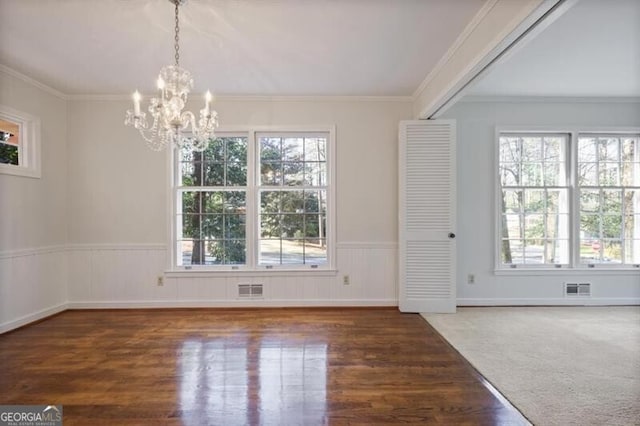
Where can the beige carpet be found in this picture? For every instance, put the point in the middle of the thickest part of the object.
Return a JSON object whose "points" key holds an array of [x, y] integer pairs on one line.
{"points": [[557, 365]]}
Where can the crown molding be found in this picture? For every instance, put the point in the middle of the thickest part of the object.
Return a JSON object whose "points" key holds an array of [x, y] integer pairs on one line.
{"points": [[551, 99], [16, 74], [256, 98]]}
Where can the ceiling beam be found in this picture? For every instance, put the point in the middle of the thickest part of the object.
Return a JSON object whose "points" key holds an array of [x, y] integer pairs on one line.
{"points": [[497, 28]]}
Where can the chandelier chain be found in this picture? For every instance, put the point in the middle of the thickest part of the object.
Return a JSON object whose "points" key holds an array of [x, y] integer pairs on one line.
{"points": [[177, 37]]}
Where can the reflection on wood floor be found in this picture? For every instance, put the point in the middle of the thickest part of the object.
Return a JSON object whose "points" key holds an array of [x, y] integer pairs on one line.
{"points": [[245, 367]]}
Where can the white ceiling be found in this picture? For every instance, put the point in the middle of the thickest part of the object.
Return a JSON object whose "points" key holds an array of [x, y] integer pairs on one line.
{"points": [[233, 47], [592, 50]]}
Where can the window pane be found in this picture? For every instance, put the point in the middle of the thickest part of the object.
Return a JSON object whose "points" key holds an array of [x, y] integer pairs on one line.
{"points": [[553, 147], [609, 174], [612, 252], [315, 149], [234, 226], [513, 226], [531, 174], [270, 226], [212, 225], [292, 252], [611, 226], [227, 252], [531, 149], [213, 174], [557, 201], [190, 226], [609, 149], [213, 202], [270, 252], [271, 173], [588, 174], [214, 151], [587, 150], [293, 150], [293, 174], [534, 201], [589, 201], [236, 150], [512, 201], [611, 201], [553, 175], [235, 202], [270, 202], [510, 174], [315, 174], [270, 149], [632, 202], [534, 226], [236, 174], [292, 201], [534, 252], [590, 227], [556, 251], [315, 251], [315, 227], [510, 150], [315, 201], [190, 173], [512, 251], [292, 226]]}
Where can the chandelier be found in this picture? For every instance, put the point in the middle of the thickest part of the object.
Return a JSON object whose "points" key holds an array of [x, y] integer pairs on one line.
{"points": [[169, 124]]}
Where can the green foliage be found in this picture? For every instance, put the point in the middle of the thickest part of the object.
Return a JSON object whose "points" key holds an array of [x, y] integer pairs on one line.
{"points": [[8, 154]]}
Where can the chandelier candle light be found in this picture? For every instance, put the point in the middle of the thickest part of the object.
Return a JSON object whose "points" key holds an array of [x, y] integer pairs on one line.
{"points": [[172, 126]]}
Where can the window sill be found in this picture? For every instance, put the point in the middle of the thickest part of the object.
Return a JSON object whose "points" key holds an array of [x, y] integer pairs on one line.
{"points": [[206, 273], [569, 271]]}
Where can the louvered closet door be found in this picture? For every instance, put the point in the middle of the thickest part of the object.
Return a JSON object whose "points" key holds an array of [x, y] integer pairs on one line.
{"points": [[427, 216]]}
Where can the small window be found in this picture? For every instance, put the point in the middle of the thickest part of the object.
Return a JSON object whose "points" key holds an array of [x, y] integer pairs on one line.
{"points": [[19, 143]]}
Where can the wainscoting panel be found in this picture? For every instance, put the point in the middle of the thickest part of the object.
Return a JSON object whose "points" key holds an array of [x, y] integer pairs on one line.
{"points": [[33, 285], [127, 276]]}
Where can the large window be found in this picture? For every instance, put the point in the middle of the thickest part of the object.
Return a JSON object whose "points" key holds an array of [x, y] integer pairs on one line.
{"points": [[255, 200], [568, 200]]}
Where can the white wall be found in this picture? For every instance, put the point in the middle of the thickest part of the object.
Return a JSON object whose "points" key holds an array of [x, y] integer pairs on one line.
{"points": [[118, 210], [476, 123], [33, 222]]}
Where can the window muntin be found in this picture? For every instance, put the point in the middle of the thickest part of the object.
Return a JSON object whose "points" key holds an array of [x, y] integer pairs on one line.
{"points": [[555, 211], [254, 200], [609, 199], [293, 199], [534, 225]]}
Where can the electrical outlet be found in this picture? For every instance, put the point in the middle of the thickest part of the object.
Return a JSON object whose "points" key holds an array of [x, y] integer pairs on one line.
{"points": [[346, 280], [160, 280], [471, 279]]}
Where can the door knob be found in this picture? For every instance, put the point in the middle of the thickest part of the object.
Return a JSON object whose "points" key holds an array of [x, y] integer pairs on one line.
{"points": [[452, 235]]}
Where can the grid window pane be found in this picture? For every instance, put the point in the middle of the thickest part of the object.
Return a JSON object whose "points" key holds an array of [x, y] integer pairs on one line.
{"points": [[535, 199], [292, 221], [290, 179]]}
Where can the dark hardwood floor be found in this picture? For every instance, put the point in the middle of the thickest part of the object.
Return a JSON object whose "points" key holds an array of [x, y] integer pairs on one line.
{"points": [[245, 367]]}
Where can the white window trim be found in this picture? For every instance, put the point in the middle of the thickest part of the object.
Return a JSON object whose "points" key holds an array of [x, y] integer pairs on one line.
{"points": [[252, 267], [28, 146], [574, 215]]}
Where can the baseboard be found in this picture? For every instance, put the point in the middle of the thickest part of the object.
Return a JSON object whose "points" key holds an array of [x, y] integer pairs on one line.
{"points": [[27, 319], [561, 301], [272, 303]]}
